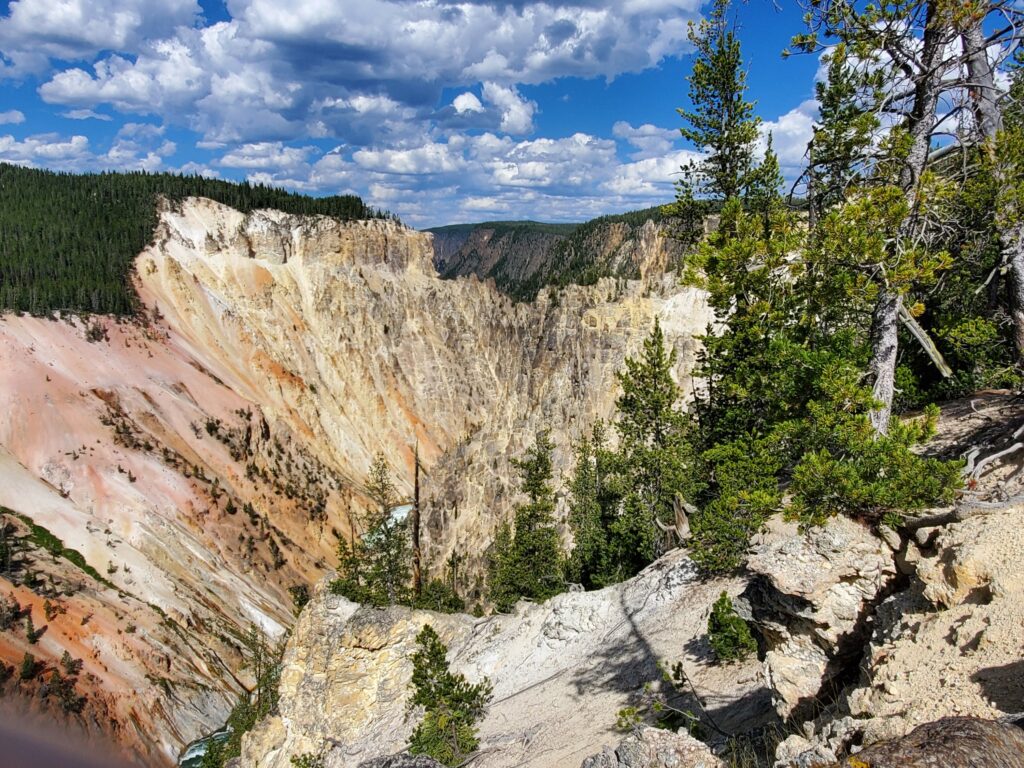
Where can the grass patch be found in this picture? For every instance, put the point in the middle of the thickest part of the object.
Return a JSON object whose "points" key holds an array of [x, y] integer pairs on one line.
{"points": [[45, 539]]}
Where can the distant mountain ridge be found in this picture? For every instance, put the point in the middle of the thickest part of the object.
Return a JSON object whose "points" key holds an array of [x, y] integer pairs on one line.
{"points": [[525, 256]]}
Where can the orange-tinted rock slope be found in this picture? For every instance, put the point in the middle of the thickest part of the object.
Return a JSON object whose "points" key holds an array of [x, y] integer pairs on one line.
{"points": [[202, 462]]}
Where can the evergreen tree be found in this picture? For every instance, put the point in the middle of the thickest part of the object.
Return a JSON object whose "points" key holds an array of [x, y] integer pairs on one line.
{"points": [[377, 568], [501, 583], [451, 705], [763, 198], [594, 500], [390, 557], [264, 662], [721, 120], [528, 561], [843, 131], [783, 401], [440, 596], [917, 35], [728, 633], [655, 461]]}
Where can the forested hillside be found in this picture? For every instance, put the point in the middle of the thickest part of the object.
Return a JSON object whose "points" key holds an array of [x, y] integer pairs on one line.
{"points": [[67, 241], [524, 256], [583, 258]]}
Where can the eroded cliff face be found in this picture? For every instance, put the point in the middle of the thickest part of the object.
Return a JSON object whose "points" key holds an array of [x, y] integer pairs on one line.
{"points": [[345, 333], [206, 461]]}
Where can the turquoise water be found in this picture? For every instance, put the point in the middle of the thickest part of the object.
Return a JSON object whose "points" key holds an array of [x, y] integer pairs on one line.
{"points": [[193, 754]]}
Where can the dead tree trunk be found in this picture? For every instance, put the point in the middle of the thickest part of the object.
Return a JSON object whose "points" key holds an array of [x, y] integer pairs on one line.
{"points": [[414, 519], [920, 124], [985, 106], [981, 82]]}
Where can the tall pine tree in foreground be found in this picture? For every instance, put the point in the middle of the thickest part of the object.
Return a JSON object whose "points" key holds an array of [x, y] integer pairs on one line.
{"points": [[618, 497], [721, 123], [655, 460]]}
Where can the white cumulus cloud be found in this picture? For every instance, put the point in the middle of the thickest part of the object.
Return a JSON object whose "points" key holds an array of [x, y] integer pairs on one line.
{"points": [[467, 102], [516, 112]]}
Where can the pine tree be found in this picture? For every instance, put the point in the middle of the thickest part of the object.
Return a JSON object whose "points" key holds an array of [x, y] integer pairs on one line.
{"points": [[593, 506], [390, 557], [763, 198], [917, 36], [721, 120], [351, 563], [451, 705], [654, 457], [843, 131], [377, 568], [527, 562], [501, 582]]}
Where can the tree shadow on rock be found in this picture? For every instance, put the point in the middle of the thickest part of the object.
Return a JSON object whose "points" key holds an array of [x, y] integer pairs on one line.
{"points": [[1003, 686], [624, 664]]}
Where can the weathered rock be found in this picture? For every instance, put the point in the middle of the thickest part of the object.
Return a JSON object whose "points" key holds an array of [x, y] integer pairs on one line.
{"points": [[799, 752], [402, 760], [812, 595], [561, 671], [950, 645], [947, 645], [656, 748], [964, 742]]}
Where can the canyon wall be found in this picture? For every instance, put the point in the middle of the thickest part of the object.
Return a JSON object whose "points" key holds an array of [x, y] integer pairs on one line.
{"points": [[206, 460], [524, 257]]}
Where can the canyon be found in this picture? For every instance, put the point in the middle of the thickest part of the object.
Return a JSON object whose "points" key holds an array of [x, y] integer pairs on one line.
{"points": [[175, 481], [198, 464]]}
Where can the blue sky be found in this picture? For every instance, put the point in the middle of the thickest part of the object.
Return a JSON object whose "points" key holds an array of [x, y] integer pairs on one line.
{"points": [[440, 111]]}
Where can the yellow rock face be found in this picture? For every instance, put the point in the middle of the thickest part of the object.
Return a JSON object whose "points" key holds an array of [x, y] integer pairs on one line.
{"points": [[208, 460]]}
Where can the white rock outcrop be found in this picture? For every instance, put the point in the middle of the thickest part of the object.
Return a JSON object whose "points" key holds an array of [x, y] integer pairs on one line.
{"points": [[561, 671], [656, 748], [813, 594]]}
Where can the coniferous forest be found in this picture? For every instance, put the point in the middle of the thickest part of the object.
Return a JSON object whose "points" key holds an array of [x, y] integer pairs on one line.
{"points": [[67, 241]]}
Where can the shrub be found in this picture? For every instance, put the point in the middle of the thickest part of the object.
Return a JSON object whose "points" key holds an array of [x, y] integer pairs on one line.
{"points": [[300, 597], [451, 705], [307, 760], [440, 596], [728, 633], [29, 667]]}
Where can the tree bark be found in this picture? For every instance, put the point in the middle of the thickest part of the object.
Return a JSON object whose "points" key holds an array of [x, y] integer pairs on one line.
{"points": [[884, 346], [981, 82], [1012, 241], [920, 124], [417, 574], [988, 118]]}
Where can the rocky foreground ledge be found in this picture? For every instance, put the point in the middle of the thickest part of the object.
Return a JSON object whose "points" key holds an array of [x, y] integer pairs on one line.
{"points": [[561, 672]]}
